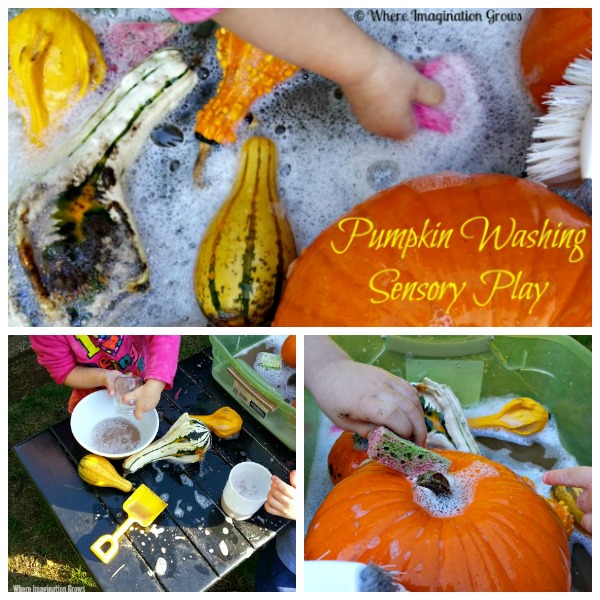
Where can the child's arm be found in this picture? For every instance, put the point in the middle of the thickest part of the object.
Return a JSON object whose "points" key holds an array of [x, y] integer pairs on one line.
{"points": [[380, 85], [575, 477], [163, 354], [358, 397], [281, 500]]}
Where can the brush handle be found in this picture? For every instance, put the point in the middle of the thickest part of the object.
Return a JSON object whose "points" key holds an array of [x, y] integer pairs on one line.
{"points": [[585, 150]]}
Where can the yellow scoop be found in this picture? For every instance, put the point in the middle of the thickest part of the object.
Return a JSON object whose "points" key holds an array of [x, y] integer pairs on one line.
{"points": [[521, 415], [143, 506]]}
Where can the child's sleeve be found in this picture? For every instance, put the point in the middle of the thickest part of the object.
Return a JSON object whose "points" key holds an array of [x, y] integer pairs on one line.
{"points": [[193, 15], [55, 355], [162, 358]]}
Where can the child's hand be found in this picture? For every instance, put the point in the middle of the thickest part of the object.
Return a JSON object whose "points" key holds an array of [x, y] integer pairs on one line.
{"points": [[383, 100], [109, 377], [358, 397], [575, 477], [146, 397], [281, 500]]}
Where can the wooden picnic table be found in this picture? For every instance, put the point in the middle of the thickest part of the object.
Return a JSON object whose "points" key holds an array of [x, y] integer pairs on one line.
{"points": [[193, 543]]}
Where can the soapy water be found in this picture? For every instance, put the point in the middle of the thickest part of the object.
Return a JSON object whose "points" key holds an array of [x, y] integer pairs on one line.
{"points": [[247, 489], [115, 436], [326, 162], [280, 379]]}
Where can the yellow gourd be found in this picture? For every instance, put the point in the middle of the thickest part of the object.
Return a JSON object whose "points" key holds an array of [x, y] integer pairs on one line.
{"points": [[99, 471], [521, 415], [54, 58], [247, 248], [568, 496], [225, 423]]}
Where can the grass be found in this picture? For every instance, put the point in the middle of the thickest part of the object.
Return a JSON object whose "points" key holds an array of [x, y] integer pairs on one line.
{"points": [[39, 553]]}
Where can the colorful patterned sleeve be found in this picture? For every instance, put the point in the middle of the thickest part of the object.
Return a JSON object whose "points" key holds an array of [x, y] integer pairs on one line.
{"points": [[193, 15]]}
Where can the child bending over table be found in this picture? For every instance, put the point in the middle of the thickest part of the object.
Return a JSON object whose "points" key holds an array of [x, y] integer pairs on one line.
{"points": [[88, 363]]}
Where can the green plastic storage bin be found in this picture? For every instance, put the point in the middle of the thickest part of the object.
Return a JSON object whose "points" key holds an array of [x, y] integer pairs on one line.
{"points": [[259, 398], [554, 370]]}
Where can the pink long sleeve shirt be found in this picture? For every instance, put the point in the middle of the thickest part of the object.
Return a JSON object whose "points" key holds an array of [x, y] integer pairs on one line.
{"points": [[149, 356], [193, 15]]}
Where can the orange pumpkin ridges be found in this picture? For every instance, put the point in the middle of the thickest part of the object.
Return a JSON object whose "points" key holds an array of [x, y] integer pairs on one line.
{"points": [[505, 539], [554, 38], [346, 455], [329, 289]]}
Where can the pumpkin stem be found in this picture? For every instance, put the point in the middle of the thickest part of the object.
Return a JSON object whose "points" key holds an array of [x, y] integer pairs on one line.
{"points": [[436, 482], [360, 443]]}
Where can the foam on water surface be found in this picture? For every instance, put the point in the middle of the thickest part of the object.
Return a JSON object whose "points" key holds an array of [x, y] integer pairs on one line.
{"points": [[326, 162]]}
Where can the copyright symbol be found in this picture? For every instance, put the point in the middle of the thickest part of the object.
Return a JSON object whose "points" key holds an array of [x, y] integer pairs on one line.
{"points": [[359, 15]]}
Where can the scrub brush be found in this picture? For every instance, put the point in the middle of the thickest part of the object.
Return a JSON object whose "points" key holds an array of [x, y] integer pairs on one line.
{"points": [[343, 576], [561, 154]]}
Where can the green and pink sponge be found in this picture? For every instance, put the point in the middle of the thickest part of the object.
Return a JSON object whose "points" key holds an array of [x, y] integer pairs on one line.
{"points": [[401, 455]]}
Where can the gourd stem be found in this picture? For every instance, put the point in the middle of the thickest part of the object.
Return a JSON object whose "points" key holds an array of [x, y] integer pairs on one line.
{"points": [[436, 482], [198, 174]]}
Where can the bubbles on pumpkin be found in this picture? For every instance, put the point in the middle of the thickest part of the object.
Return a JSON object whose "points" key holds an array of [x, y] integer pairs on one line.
{"points": [[463, 485]]}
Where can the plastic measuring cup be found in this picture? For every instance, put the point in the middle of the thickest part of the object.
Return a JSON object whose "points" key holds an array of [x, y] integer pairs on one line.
{"points": [[246, 490], [122, 386]]}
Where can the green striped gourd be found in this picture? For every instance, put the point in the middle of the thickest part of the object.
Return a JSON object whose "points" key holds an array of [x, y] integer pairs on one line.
{"points": [[248, 247], [74, 233], [187, 441]]}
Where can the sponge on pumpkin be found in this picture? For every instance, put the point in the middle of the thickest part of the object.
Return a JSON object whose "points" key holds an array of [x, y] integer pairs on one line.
{"points": [[401, 455]]}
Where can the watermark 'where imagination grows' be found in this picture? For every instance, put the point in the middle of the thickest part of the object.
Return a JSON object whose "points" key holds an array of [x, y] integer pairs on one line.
{"points": [[440, 17], [47, 588]]}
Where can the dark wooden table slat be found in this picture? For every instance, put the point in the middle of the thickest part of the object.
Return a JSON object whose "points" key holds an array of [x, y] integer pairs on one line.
{"points": [[193, 542], [81, 514]]}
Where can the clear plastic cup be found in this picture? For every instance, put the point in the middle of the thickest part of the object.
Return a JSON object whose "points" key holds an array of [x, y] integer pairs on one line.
{"points": [[246, 490], [122, 386]]}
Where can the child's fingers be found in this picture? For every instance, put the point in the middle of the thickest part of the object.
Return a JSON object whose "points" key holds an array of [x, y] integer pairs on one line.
{"points": [[428, 92], [275, 507], [584, 501], [283, 494], [586, 522], [573, 477]]}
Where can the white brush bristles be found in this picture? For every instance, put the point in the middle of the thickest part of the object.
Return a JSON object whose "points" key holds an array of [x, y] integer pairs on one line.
{"points": [[554, 157]]}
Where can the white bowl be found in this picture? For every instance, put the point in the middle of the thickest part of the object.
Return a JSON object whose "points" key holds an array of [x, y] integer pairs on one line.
{"points": [[99, 406]]}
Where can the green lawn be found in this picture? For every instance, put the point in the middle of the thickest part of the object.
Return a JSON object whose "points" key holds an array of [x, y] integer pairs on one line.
{"points": [[39, 553]]}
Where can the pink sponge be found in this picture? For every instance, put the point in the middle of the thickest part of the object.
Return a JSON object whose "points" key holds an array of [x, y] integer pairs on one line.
{"points": [[453, 73], [401, 455]]}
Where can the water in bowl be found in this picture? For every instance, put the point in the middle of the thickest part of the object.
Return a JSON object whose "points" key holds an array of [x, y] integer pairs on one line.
{"points": [[115, 436]]}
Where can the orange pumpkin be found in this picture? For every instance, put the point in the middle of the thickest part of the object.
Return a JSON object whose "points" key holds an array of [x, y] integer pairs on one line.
{"points": [[346, 455], [288, 351], [554, 38], [504, 537], [394, 259]]}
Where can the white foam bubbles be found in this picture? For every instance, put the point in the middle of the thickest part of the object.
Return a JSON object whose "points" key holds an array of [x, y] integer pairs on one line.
{"points": [[325, 159], [463, 485]]}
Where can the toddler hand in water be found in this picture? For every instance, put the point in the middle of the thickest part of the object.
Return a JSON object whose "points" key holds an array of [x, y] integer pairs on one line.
{"points": [[380, 85], [281, 500], [383, 99], [358, 397], [580, 477]]}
